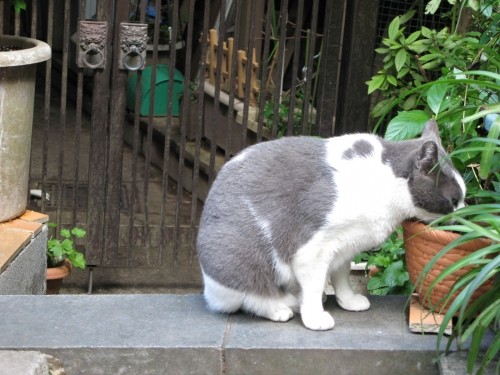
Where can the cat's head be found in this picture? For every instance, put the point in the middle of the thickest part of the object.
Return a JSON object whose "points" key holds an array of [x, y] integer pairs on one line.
{"points": [[435, 185]]}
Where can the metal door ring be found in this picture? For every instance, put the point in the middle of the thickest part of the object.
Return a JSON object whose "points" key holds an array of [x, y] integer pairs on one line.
{"points": [[90, 56], [132, 55]]}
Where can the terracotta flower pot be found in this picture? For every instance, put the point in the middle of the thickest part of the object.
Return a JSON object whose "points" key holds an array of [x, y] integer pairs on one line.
{"points": [[421, 245], [55, 276]]}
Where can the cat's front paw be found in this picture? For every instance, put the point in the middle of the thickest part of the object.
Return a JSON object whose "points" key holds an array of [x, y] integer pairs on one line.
{"points": [[318, 321], [356, 302]]}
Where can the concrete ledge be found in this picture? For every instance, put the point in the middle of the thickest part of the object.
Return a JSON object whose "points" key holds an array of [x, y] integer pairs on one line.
{"points": [[157, 334]]}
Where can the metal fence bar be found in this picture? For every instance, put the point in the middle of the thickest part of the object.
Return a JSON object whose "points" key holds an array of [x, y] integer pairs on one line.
{"points": [[62, 110], [46, 115], [114, 159]]}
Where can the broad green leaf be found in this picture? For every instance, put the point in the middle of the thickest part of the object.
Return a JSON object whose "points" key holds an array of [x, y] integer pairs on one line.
{"points": [[406, 17], [431, 65], [474, 4], [426, 32], [410, 102], [432, 6], [403, 72], [78, 232], [65, 233], [382, 107], [406, 125], [392, 80], [430, 56], [413, 37], [394, 28], [382, 51], [400, 59], [375, 83], [436, 96], [395, 274]]}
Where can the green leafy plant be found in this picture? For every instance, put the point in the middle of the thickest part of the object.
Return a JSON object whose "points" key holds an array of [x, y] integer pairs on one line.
{"points": [[60, 249], [283, 113], [390, 275], [473, 317]]}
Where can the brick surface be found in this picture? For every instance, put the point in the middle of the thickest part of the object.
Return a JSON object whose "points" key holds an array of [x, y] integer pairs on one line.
{"points": [[34, 216], [16, 234], [12, 241], [21, 225]]}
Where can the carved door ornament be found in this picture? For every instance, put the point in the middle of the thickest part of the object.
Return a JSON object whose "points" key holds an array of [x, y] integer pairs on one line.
{"points": [[133, 42], [92, 36]]}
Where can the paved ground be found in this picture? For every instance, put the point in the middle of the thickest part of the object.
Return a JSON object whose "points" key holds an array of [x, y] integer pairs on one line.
{"points": [[158, 334]]}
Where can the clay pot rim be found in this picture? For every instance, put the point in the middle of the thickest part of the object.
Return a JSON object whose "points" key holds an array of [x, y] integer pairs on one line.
{"points": [[59, 272], [415, 228]]}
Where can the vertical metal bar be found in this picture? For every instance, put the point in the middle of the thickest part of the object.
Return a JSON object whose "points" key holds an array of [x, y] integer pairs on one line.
{"points": [[98, 146], [216, 109], [264, 70], [248, 75], [310, 67], [279, 75], [232, 84], [149, 128], [329, 73], [78, 131], [34, 14], [62, 110], [184, 119], [199, 110], [295, 67], [135, 149], [115, 150], [47, 97], [182, 146]]}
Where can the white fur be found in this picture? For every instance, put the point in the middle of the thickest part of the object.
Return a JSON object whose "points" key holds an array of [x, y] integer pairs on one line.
{"points": [[283, 271], [461, 182], [360, 220], [223, 299]]}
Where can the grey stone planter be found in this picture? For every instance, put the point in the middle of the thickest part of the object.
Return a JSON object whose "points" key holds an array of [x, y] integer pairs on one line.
{"points": [[17, 92]]}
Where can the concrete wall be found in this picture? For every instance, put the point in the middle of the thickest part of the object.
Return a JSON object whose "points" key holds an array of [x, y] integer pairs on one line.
{"points": [[26, 273]]}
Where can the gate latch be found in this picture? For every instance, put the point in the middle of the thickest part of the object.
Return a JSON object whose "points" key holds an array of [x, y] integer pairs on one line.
{"points": [[133, 43], [92, 37]]}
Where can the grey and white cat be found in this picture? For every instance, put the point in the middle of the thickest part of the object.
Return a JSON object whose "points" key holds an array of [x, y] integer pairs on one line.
{"points": [[283, 217]]}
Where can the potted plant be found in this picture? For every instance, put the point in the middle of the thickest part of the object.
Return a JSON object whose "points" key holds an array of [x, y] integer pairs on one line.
{"points": [[62, 256], [18, 59], [453, 77], [472, 300]]}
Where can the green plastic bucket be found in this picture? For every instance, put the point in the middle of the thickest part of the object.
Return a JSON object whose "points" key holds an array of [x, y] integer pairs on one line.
{"points": [[161, 91]]}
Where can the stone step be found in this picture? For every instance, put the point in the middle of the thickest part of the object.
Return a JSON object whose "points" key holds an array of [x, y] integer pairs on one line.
{"points": [[175, 334]]}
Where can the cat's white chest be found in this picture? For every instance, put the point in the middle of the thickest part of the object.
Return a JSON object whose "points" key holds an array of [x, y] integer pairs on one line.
{"points": [[370, 200]]}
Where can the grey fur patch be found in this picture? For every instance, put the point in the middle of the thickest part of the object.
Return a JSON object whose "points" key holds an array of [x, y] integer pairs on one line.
{"points": [[360, 149], [261, 204]]}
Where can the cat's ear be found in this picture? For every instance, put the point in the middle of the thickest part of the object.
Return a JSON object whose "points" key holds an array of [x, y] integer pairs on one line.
{"points": [[427, 157], [431, 131]]}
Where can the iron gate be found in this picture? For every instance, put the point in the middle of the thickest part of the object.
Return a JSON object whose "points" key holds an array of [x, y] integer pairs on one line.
{"points": [[143, 101]]}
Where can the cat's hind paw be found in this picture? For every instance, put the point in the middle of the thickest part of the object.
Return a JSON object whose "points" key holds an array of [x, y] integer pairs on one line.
{"points": [[356, 302], [282, 314], [318, 322]]}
